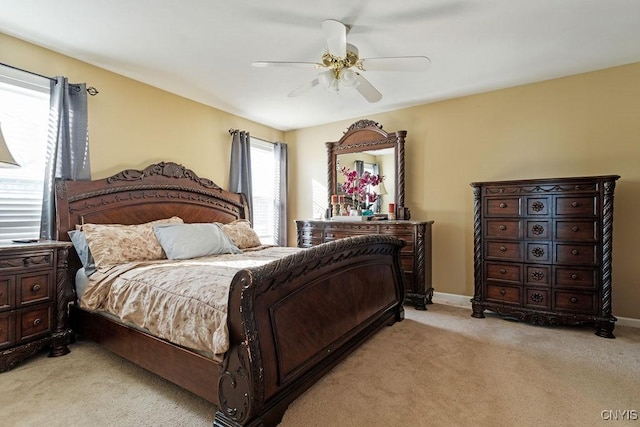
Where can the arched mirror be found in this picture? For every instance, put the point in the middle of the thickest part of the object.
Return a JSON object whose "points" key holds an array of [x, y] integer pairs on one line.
{"points": [[365, 146]]}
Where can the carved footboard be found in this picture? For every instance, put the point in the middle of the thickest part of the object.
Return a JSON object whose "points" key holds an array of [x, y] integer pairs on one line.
{"points": [[292, 321]]}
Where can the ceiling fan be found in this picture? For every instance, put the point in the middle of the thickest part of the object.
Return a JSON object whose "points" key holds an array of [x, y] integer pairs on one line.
{"points": [[342, 67]]}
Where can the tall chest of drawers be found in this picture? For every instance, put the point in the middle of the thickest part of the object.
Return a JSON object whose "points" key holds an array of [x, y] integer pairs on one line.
{"points": [[415, 255], [543, 250], [33, 301]]}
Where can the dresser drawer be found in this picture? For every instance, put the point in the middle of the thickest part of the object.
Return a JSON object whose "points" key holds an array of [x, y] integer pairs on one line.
{"points": [[34, 288], [407, 262], [6, 329], [576, 254], [538, 205], [504, 206], [6, 292], [504, 294], [28, 260], [576, 206], [576, 277], [503, 229], [33, 323], [537, 275], [330, 235], [537, 229], [511, 251], [584, 231], [537, 298], [575, 301], [538, 252], [505, 273], [308, 240]]}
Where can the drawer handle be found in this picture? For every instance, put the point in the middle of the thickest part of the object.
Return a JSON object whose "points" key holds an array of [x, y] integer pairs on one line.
{"points": [[503, 271], [36, 287], [537, 252], [37, 321], [25, 261], [574, 228], [503, 227], [575, 252], [574, 276], [537, 206], [537, 229], [574, 300], [502, 292], [503, 249], [575, 204], [537, 275], [503, 205], [537, 297]]}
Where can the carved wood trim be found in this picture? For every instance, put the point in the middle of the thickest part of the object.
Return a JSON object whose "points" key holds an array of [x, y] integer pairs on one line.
{"points": [[477, 252], [167, 169], [607, 245]]}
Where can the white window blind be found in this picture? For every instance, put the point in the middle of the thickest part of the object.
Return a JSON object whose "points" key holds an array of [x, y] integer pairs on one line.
{"points": [[264, 178], [24, 111]]}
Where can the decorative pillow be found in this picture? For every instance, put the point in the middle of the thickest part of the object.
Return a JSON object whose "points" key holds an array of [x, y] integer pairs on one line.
{"points": [[79, 241], [113, 244], [241, 234], [184, 241]]}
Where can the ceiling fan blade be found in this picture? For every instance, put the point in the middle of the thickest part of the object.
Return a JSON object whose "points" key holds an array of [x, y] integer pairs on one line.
{"points": [[335, 32], [263, 64], [399, 63], [304, 88], [366, 89]]}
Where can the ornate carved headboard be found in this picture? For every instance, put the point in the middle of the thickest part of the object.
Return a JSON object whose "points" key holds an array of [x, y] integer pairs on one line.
{"points": [[133, 196]]}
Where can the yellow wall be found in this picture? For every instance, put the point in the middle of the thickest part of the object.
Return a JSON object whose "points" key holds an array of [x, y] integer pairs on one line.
{"points": [[581, 125], [587, 124], [132, 125]]}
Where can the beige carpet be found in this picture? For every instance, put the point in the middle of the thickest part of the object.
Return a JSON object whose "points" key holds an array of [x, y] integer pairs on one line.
{"points": [[437, 368]]}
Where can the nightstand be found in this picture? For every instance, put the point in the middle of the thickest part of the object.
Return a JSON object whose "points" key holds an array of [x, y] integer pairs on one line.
{"points": [[33, 302]]}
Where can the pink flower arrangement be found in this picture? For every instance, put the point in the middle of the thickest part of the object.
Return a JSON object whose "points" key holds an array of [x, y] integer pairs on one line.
{"points": [[360, 187]]}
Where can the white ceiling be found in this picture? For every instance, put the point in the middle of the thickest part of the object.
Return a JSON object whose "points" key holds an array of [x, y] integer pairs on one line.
{"points": [[203, 49]]}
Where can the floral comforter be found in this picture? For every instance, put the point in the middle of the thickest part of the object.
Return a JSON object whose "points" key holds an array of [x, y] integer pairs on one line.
{"points": [[184, 301]]}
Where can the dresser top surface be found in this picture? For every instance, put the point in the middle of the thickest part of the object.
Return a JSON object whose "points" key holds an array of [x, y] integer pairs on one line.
{"points": [[382, 221], [543, 181], [7, 245]]}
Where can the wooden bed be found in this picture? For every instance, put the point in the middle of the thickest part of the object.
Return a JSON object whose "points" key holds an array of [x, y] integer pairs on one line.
{"points": [[289, 321]]}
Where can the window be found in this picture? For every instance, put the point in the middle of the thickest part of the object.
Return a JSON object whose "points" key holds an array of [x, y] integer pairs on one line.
{"points": [[24, 110], [264, 179]]}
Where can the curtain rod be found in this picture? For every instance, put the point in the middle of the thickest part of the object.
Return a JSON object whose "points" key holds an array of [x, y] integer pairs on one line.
{"points": [[90, 90]]}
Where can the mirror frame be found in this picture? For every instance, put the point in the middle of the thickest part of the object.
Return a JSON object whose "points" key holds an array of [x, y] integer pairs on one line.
{"points": [[365, 135]]}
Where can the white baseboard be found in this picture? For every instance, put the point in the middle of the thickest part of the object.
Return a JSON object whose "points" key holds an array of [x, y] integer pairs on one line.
{"points": [[465, 301], [452, 299]]}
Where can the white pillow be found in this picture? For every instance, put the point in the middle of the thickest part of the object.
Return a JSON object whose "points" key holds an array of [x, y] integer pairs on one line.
{"points": [[184, 241]]}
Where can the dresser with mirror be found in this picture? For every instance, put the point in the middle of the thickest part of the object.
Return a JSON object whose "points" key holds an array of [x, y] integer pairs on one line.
{"points": [[365, 146]]}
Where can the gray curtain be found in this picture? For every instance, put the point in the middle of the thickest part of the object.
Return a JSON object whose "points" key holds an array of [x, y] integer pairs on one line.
{"points": [[280, 209], [240, 168], [67, 145]]}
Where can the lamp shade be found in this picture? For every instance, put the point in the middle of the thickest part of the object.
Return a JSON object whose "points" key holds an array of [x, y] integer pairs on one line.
{"points": [[379, 189], [6, 159]]}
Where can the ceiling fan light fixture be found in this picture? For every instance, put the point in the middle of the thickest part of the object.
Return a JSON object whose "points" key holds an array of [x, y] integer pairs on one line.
{"points": [[349, 78], [342, 65], [329, 80]]}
